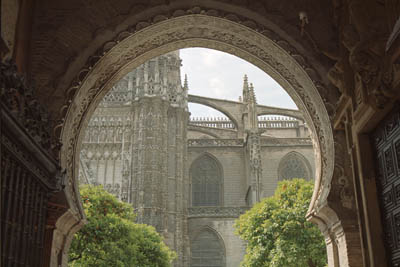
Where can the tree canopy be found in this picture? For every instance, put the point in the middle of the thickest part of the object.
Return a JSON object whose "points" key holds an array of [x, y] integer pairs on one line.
{"points": [[111, 238], [277, 232]]}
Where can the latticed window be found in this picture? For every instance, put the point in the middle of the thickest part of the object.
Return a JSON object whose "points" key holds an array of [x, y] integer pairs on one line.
{"points": [[293, 165], [206, 182], [207, 250]]}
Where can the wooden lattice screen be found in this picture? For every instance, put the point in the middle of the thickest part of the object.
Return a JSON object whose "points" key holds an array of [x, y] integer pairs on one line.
{"points": [[386, 139], [30, 176]]}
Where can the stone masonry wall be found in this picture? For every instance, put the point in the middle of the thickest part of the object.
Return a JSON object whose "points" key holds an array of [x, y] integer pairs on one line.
{"points": [[235, 248]]}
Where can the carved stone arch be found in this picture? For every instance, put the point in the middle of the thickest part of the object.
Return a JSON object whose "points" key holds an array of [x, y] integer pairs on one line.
{"points": [[217, 170], [211, 32], [208, 230], [292, 163], [250, 41]]}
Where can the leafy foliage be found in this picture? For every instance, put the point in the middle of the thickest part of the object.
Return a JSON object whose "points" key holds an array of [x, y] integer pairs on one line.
{"points": [[277, 231], [110, 238]]}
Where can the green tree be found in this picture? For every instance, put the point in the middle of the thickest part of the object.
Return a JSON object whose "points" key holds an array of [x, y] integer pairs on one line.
{"points": [[277, 232], [111, 238]]}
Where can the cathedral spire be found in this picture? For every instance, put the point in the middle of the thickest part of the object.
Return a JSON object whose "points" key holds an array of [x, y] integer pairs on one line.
{"points": [[185, 83], [245, 93], [252, 95], [249, 99], [185, 92]]}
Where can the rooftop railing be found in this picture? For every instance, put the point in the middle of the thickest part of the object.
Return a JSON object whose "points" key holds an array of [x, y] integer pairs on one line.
{"points": [[213, 122]]}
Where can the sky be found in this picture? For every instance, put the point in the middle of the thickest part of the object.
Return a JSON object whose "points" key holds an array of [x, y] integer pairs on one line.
{"points": [[216, 74]]}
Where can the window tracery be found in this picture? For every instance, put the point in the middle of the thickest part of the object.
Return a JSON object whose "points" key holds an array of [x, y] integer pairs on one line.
{"points": [[294, 165], [206, 182]]}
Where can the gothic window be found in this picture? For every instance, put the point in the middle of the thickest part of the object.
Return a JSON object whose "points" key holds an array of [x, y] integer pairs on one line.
{"points": [[294, 165], [206, 182], [207, 250]]}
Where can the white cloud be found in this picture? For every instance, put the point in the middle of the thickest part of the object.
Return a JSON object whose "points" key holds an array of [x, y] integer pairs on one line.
{"points": [[216, 74], [210, 58], [217, 87]]}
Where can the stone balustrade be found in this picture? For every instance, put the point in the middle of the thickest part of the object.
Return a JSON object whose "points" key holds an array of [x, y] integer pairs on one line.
{"points": [[278, 124], [263, 122], [213, 122]]}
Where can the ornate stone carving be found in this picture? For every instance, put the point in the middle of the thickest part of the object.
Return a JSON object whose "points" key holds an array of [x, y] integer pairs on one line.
{"points": [[363, 70], [20, 100], [345, 193]]}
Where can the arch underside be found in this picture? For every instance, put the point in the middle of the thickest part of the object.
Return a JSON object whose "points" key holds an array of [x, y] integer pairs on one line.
{"points": [[195, 30]]}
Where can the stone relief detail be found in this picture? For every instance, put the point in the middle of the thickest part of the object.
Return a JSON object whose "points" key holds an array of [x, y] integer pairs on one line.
{"points": [[346, 194], [368, 75], [174, 32], [20, 100], [343, 183]]}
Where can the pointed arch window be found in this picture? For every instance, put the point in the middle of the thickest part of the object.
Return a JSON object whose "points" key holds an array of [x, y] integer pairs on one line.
{"points": [[294, 165], [207, 250], [206, 182]]}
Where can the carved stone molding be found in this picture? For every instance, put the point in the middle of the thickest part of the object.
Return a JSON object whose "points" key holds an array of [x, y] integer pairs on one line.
{"points": [[197, 27], [215, 142], [286, 142], [216, 212]]}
